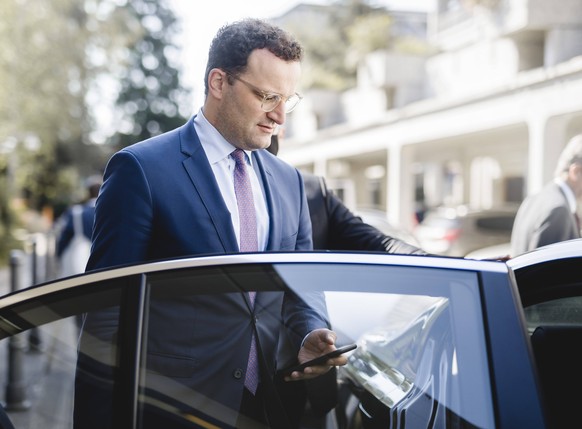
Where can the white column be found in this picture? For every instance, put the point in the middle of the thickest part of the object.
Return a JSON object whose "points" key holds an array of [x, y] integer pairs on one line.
{"points": [[320, 167], [400, 186], [547, 138]]}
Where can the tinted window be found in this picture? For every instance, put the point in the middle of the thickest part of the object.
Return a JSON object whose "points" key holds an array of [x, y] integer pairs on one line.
{"points": [[48, 384], [563, 311]]}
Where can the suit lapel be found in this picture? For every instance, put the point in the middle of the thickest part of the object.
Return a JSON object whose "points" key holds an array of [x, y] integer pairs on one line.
{"points": [[267, 180], [204, 182], [573, 221]]}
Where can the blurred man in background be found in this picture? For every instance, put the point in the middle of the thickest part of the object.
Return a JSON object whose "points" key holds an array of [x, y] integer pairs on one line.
{"points": [[74, 238], [551, 215]]}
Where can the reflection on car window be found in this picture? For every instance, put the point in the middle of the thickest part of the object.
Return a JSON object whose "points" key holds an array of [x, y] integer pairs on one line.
{"points": [[199, 329], [419, 333], [55, 372], [356, 313]]}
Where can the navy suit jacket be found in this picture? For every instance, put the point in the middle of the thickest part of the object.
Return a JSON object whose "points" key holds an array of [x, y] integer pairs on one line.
{"points": [[160, 199]]}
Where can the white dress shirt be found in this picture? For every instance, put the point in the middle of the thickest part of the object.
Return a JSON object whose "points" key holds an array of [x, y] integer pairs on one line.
{"points": [[218, 152]]}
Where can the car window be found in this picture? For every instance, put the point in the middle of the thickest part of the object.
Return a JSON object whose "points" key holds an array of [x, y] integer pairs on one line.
{"points": [[550, 289], [562, 311], [32, 398], [551, 292], [419, 334]]}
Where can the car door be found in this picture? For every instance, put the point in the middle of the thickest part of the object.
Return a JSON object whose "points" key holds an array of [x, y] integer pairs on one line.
{"points": [[433, 336], [550, 285]]}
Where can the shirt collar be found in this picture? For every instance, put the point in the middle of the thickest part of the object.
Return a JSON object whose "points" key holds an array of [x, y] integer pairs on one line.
{"points": [[570, 197], [215, 146]]}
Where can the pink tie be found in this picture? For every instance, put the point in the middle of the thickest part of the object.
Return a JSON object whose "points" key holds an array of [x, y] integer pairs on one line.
{"points": [[248, 243]]}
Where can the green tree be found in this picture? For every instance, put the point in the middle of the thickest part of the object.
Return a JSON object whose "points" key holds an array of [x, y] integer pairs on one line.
{"points": [[151, 96], [58, 62], [47, 69], [42, 64]]}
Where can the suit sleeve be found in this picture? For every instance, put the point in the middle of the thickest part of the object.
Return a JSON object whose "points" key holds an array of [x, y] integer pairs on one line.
{"points": [[554, 228], [123, 215]]}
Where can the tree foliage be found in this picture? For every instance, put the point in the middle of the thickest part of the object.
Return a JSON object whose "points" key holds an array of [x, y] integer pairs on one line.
{"points": [[62, 64], [41, 100], [150, 96]]}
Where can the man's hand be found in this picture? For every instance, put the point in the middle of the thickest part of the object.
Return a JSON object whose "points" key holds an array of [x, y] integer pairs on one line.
{"points": [[317, 343]]}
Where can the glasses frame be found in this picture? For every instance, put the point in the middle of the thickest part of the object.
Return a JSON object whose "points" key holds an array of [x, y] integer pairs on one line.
{"points": [[264, 95]]}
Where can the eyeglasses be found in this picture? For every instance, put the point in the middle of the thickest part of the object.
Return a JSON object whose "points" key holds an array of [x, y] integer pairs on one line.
{"points": [[270, 100]]}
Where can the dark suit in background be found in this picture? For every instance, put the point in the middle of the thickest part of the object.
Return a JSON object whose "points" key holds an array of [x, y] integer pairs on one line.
{"points": [[335, 227], [543, 219], [550, 216]]}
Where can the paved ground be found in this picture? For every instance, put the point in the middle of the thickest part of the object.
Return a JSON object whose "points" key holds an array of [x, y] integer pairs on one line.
{"points": [[36, 383]]}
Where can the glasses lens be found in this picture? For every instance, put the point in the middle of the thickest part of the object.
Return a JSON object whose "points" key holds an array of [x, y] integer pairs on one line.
{"points": [[270, 102], [292, 103]]}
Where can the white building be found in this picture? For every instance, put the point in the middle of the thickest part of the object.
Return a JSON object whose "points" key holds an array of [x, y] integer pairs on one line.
{"points": [[480, 122]]}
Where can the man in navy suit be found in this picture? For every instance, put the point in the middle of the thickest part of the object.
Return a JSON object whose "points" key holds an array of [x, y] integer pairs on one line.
{"points": [[173, 196], [550, 216]]}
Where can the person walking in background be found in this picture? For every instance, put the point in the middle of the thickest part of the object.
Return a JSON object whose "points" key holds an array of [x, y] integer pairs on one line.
{"points": [[551, 215], [76, 227], [73, 245], [334, 227], [188, 192]]}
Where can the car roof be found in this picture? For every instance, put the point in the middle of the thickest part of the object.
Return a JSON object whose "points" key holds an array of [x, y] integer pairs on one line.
{"points": [[561, 250], [251, 258]]}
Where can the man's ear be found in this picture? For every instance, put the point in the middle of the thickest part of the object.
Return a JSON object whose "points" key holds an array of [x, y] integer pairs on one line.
{"points": [[216, 81]]}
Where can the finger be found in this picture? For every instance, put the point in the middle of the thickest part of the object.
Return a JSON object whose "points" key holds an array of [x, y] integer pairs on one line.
{"points": [[331, 337]]}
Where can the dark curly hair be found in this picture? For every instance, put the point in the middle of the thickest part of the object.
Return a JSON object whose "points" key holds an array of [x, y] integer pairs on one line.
{"points": [[232, 45]]}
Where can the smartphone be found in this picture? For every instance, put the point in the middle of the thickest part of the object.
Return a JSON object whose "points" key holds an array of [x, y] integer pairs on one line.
{"points": [[319, 360]]}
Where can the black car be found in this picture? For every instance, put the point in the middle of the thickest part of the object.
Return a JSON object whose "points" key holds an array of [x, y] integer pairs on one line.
{"points": [[442, 342]]}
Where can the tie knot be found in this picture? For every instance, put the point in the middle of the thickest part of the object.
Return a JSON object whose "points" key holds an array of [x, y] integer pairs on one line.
{"points": [[239, 156]]}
